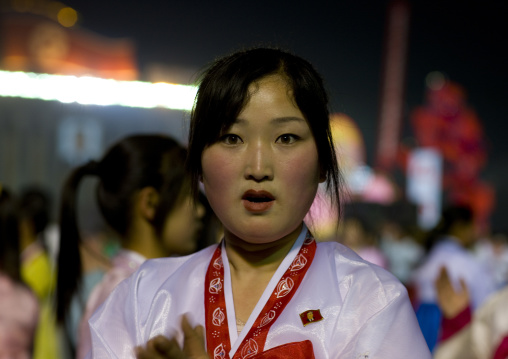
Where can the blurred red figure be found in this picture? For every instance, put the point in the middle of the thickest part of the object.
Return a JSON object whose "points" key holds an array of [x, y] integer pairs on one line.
{"points": [[449, 125]]}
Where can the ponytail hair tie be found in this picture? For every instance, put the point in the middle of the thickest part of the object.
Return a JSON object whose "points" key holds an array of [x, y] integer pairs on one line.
{"points": [[92, 167]]}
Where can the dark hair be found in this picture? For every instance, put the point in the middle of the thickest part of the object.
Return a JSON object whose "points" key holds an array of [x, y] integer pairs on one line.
{"points": [[223, 92], [367, 223], [130, 165], [9, 235], [451, 215], [35, 206]]}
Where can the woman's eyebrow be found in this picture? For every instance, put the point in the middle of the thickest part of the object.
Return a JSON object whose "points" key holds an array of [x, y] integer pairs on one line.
{"points": [[274, 121], [239, 121], [280, 120]]}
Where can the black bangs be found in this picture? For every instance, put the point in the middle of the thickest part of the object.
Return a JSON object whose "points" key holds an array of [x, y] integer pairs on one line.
{"points": [[224, 91]]}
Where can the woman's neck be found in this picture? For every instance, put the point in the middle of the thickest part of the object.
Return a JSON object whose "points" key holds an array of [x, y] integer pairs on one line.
{"points": [[144, 240], [245, 257], [252, 267]]}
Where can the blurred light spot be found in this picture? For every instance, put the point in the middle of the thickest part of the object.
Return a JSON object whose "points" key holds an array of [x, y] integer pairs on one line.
{"points": [[67, 17], [53, 8], [96, 91], [435, 80], [359, 178]]}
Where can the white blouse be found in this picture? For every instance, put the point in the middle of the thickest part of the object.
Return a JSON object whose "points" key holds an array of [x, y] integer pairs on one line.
{"points": [[366, 310]]}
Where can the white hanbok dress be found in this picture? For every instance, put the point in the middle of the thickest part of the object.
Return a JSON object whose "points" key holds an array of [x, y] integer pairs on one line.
{"points": [[366, 312]]}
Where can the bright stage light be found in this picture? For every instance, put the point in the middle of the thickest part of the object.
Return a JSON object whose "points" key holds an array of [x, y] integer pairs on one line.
{"points": [[96, 91]]}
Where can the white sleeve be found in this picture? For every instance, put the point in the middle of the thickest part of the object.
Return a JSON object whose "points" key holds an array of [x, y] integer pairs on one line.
{"points": [[149, 303], [393, 332], [113, 327]]}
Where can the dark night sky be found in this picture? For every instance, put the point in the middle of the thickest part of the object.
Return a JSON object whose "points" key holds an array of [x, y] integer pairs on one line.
{"points": [[344, 40]]}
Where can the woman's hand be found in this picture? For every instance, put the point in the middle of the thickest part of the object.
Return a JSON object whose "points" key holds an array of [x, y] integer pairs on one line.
{"points": [[450, 301], [161, 347]]}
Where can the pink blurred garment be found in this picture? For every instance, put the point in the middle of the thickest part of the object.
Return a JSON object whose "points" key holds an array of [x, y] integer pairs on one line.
{"points": [[124, 264], [19, 311], [366, 311]]}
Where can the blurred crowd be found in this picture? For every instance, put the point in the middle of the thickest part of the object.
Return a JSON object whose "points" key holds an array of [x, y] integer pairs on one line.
{"points": [[54, 273], [457, 278]]}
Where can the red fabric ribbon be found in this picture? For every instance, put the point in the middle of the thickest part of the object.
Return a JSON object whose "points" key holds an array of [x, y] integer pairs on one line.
{"points": [[217, 331]]}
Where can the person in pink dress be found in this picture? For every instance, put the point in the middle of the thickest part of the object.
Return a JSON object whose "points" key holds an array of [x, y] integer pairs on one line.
{"points": [[19, 308], [144, 194]]}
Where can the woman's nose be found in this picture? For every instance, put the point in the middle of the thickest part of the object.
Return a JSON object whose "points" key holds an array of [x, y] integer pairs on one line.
{"points": [[259, 162]]}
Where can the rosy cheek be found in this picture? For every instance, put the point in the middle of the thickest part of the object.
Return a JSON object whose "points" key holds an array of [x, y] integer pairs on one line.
{"points": [[299, 171], [217, 169]]}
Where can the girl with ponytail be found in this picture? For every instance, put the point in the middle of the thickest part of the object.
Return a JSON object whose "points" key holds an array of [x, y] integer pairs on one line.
{"points": [[143, 193]]}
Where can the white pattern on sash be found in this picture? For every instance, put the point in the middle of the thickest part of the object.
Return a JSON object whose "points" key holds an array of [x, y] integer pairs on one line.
{"points": [[219, 352], [267, 318], [217, 264], [215, 286], [218, 317], [284, 287], [249, 349], [299, 262]]}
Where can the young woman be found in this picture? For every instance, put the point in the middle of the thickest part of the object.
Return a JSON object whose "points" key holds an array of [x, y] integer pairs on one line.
{"points": [[144, 194], [260, 144], [19, 307]]}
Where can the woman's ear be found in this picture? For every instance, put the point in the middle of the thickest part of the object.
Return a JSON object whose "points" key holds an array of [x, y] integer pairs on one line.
{"points": [[147, 202]]}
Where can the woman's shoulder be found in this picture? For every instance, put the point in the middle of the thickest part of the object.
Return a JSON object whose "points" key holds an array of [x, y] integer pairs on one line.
{"points": [[163, 269], [177, 261], [350, 267], [159, 275], [354, 285]]}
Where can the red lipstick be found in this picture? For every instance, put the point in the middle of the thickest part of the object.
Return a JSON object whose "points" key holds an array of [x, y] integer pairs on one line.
{"points": [[257, 201]]}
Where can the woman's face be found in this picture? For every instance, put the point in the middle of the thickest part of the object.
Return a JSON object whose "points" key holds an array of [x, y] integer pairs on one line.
{"points": [[182, 226], [262, 175]]}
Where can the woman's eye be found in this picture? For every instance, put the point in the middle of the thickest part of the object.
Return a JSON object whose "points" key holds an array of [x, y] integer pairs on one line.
{"points": [[231, 139], [287, 139]]}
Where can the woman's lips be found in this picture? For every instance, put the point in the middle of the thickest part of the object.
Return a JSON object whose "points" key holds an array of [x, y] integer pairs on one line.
{"points": [[257, 201]]}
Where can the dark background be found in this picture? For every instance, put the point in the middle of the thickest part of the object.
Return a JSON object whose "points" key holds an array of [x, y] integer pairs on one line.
{"points": [[344, 40]]}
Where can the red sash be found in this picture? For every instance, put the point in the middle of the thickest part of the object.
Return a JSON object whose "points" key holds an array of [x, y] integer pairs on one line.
{"points": [[502, 349], [217, 331]]}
